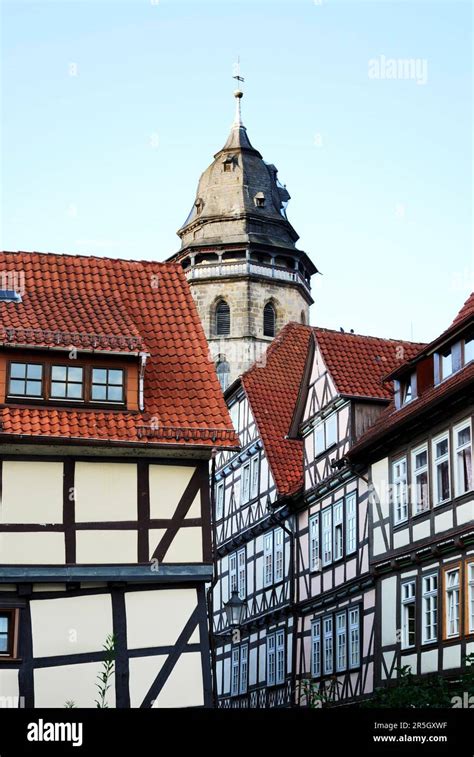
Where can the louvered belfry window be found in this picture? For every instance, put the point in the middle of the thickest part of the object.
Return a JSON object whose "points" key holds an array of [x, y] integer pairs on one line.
{"points": [[269, 319], [222, 319]]}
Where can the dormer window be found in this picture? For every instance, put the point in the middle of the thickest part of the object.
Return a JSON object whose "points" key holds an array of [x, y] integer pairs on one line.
{"points": [[199, 204], [445, 363], [229, 163], [66, 382], [9, 295], [468, 349], [26, 379], [405, 390], [107, 385], [259, 200]]}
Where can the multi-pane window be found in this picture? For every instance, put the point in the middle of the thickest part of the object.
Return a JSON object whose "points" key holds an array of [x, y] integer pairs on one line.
{"points": [[337, 519], [271, 660], [445, 363], [463, 458], [254, 466], [244, 668], [341, 641], [354, 638], [280, 656], [107, 385], [245, 483], [26, 380], [419, 461], [234, 690], [430, 608], [351, 523], [278, 542], [5, 633], [314, 559], [468, 350], [336, 636], [470, 584], [328, 645], [238, 573], [219, 500], [441, 482], [316, 648], [399, 483], [327, 535], [232, 573], [67, 382], [268, 559], [325, 434], [452, 602], [408, 614]]}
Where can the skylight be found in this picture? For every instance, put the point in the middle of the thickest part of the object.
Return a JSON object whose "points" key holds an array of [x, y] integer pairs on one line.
{"points": [[9, 295]]}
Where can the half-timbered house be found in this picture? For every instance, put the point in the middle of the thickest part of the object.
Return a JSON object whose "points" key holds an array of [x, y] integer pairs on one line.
{"points": [[419, 455], [254, 529], [334, 594], [109, 412]]}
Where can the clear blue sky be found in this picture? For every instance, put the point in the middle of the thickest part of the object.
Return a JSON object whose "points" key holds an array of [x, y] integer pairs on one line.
{"points": [[106, 161]]}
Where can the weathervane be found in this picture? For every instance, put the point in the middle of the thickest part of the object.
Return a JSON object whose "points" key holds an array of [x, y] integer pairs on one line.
{"points": [[238, 94]]}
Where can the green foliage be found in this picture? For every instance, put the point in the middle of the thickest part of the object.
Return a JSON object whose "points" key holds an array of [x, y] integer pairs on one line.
{"points": [[69, 704], [108, 669]]}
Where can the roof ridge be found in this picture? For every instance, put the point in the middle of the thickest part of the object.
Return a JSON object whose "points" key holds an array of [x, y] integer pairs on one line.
{"points": [[91, 257], [365, 336]]}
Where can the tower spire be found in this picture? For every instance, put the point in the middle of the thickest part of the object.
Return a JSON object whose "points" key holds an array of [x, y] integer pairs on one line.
{"points": [[238, 94]]}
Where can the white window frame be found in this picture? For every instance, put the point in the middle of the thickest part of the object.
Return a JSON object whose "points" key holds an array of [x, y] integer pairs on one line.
{"points": [[341, 641], [354, 637], [244, 669], [242, 572], [233, 586], [338, 530], [470, 596], [443, 374], [429, 617], [468, 351], [437, 461], [400, 490], [351, 523], [328, 645], [319, 439], [279, 557], [235, 672], [245, 492], [316, 648], [271, 660], [314, 546], [452, 603], [268, 559], [220, 500], [419, 506], [326, 534], [254, 476], [280, 667], [330, 431], [408, 600], [460, 448]]}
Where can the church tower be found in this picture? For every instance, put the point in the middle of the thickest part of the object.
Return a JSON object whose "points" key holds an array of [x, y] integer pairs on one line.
{"points": [[238, 251]]}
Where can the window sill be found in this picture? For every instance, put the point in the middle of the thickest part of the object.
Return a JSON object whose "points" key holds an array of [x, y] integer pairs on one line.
{"points": [[11, 660]]}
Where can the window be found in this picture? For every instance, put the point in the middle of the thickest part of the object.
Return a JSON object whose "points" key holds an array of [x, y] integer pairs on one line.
{"points": [[325, 434], [354, 636], [407, 393], [26, 380], [244, 668], [222, 319], [341, 641], [468, 349], [419, 461], [232, 573], [271, 660], [223, 374], [408, 614], [470, 583], [463, 458], [314, 559], [430, 608], [269, 320], [219, 500], [235, 672], [246, 483], [280, 657], [242, 573], [441, 480], [66, 382], [259, 200], [107, 385], [268, 559], [351, 523], [399, 473], [254, 469], [328, 645], [327, 535], [8, 633], [316, 648], [337, 518], [452, 602], [229, 163], [445, 363], [278, 540]]}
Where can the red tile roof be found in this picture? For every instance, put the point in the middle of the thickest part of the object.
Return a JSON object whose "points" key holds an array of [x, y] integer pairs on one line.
{"points": [[121, 306], [358, 363], [466, 312], [272, 387]]}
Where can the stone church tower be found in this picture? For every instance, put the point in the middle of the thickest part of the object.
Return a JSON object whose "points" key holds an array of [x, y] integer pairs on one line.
{"points": [[238, 250]]}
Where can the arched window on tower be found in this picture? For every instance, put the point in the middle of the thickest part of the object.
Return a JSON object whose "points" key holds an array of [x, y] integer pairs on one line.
{"points": [[223, 373], [269, 320], [222, 319]]}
